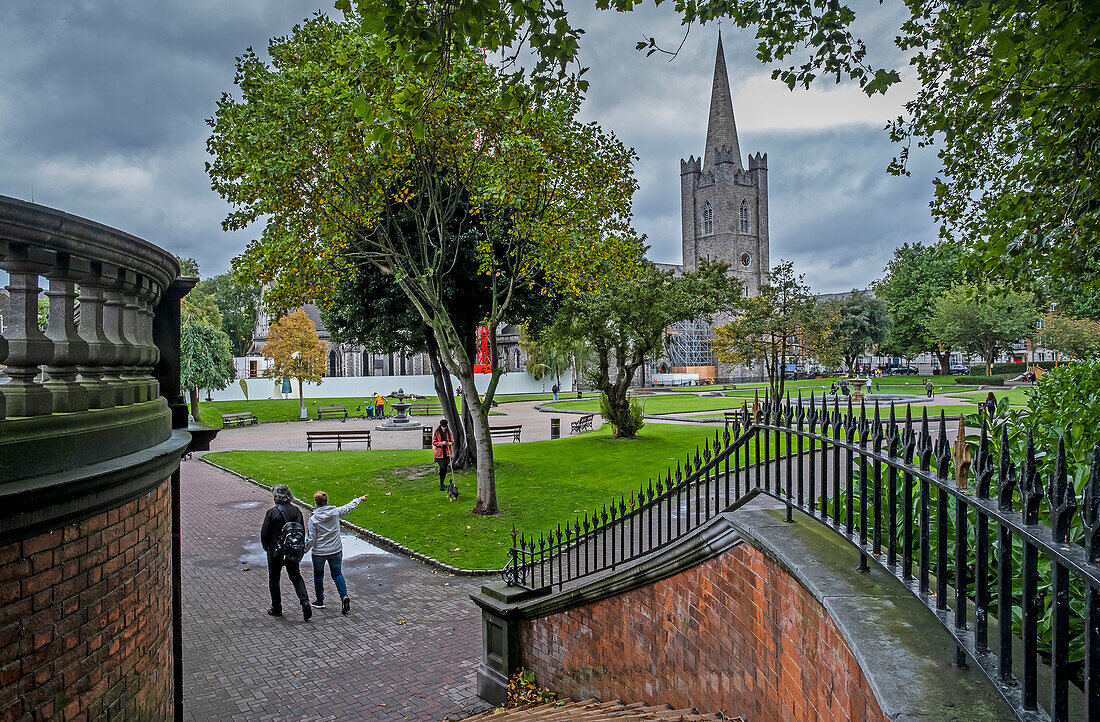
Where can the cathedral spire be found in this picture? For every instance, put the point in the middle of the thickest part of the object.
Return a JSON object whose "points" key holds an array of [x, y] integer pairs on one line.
{"points": [[721, 127]]}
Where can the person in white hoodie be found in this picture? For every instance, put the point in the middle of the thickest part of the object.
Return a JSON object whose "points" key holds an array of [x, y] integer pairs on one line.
{"points": [[323, 536]]}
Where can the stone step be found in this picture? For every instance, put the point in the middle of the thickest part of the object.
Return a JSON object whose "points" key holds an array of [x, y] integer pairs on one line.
{"points": [[591, 710]]}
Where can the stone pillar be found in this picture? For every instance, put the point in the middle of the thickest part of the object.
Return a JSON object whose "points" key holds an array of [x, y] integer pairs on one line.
{"points": [[69, 350], [166, 335], [100, 351], [131, 312], [146, 297], [114, 308], [28, 347], [500, 637]]}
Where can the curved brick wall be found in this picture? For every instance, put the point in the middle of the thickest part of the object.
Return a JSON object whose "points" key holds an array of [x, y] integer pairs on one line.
{"points": [[736, 634], [86, 617]]}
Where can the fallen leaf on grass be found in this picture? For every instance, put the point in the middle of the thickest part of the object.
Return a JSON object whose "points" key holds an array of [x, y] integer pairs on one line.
{"points": [[247, 569], [399, 621]]}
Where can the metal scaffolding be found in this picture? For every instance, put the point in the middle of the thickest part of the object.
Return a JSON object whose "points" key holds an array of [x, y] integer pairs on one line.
{"points": [[689, 344]]}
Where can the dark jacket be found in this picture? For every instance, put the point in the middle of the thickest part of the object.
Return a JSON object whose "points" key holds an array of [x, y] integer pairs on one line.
{"points": [[273, 523]]}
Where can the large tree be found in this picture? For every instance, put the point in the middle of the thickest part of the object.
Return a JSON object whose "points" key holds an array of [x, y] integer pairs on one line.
{"points": [[626, 319], [983, 320], [237, 304], [206, 361], [1076, 338], [337, 142], [1007, 95], [915, 278], [782, 321], [296, 353], [862, 323]]}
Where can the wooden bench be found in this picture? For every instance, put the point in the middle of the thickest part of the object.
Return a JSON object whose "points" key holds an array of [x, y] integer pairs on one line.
{"points": [[505, 431], [338, 411], [336, 437], [732, 416], [244, 418], [582, 424], [426, 410]]}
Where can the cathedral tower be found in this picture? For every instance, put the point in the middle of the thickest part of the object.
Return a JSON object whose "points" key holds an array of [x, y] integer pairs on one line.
{"points": [[724, 207]]}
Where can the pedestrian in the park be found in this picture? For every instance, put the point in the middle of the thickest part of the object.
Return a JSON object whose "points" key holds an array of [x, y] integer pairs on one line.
{"points": [[283, 537], [555, 389], [990, 403], [868, 385], [844, 390], [323, 535], [443, 442], [380, 406], [929, 388], [832, 389], [368, 408]]}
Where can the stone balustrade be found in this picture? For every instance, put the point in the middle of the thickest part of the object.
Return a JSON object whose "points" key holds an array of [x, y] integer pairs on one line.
{"points": [[103, 286]]}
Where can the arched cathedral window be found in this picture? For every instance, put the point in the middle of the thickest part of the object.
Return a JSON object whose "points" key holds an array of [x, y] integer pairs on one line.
{"points": [[744, 216], [708, 219]]}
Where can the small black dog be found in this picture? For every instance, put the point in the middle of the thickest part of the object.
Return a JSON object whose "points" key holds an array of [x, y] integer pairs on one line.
{"points": [[452, 491]]}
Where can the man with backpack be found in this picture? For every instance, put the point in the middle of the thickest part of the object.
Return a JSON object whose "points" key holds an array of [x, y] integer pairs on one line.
{"points": [[283, 537]]}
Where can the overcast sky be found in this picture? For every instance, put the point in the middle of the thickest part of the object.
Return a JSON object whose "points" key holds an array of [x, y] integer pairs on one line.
{"points": [[103, 102]]}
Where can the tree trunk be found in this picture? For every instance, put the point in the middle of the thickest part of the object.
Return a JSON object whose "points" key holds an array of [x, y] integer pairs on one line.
{"points": [[486, 468], [944, 358], [194, 394]]}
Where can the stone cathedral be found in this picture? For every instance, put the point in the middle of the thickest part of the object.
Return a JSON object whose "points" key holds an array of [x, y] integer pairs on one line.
{"points": [[723, 205], [724, 215]]}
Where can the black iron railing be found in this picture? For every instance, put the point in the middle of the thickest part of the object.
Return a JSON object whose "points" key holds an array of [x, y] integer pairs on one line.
{"points": [[902, 496]]}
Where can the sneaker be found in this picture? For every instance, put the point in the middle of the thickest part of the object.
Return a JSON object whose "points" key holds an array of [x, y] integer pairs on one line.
{"points": [[307, 612], [345, 604], [275, 612], [320, 603]]}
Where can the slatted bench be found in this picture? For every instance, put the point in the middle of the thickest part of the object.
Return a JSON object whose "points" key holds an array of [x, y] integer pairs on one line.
{"points": [[426, 410], [337, 437], [244, 418], [340, 412], [504, 432], [582, 424]]}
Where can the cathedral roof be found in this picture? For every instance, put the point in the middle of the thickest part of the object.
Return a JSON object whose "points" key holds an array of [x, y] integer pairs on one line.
{"points": [[721, 127]]}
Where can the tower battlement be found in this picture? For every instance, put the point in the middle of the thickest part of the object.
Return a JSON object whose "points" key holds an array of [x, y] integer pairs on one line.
{"points": [[727, 155], [759, 161], [691, 165]]}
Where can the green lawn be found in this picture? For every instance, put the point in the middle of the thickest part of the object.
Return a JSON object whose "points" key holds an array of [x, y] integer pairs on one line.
{"points": [[1016, 397], [671, 404], [884, 410], [539, 484], [287, 409]]}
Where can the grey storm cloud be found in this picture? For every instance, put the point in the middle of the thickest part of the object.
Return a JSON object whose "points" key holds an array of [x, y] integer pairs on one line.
{"points": [[102, 109]]}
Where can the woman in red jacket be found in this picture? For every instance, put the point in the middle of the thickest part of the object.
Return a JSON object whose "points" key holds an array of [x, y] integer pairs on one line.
{"points": [[443, 441]]}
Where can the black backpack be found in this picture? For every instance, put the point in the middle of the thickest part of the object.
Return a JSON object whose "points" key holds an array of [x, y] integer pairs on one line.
{"points": [[291, 546]]}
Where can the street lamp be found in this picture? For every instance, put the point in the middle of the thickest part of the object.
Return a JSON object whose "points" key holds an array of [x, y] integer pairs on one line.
{"points": [[297, 356]]}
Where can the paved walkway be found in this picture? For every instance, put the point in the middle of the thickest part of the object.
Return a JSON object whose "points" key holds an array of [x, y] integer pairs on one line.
{"points": [[408, 649]]}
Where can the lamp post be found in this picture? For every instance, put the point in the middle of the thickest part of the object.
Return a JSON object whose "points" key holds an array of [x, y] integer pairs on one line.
{"points": [[297, 356]]}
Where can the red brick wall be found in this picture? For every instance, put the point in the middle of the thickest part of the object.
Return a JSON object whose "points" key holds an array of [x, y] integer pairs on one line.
{"points": [[736, 635], [85, 618]]}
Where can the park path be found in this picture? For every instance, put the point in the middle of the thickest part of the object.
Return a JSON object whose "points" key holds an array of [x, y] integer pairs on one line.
{"points": [[408, 649]]}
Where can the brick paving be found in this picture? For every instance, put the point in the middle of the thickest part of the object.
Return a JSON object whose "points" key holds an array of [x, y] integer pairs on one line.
{"points": [[408, 649]]}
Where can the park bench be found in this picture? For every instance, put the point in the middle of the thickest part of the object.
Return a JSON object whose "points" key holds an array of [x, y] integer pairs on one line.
{"points": [[340, 412], [336, 437], [582, 424], [244, 418], [505, 431], [425, 409], [732, 416]]}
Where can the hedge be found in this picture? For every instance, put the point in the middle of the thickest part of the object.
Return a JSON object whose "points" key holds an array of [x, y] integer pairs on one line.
{"points": [[981, 380], [1011, 370]]}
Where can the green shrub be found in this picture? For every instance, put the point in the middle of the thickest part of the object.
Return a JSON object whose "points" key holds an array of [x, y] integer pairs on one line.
{"points": [[627, 424], [981, 380], [1065, 403]]}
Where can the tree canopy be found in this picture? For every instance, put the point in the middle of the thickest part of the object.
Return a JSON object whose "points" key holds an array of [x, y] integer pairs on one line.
{"points": [[339, 142], [295, 351], [984, 320], [862, 323], [915, 277], [783, 320], [625, 320]]}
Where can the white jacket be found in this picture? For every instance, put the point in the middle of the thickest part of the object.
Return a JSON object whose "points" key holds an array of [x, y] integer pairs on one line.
{"points": [[323, 530]]}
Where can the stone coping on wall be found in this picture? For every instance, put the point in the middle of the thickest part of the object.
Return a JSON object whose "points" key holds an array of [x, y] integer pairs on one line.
{"points": [[905, 654], [38, 504]]}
